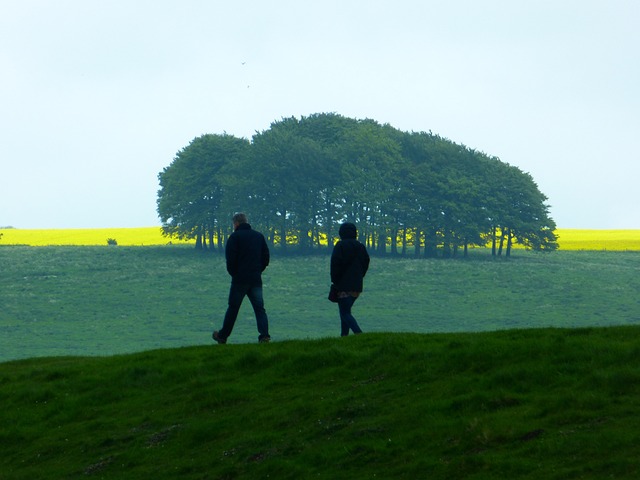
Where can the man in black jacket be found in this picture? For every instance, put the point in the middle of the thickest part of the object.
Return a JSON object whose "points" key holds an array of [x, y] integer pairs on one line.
{"points": [[247, 257]]}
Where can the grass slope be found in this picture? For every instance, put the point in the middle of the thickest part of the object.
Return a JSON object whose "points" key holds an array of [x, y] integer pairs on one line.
{"points": [[527, 404]]}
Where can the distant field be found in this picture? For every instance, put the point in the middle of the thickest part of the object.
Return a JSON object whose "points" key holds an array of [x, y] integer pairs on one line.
{"points": [[569, 239], [68, 300], [87, 236], [614, 240]]}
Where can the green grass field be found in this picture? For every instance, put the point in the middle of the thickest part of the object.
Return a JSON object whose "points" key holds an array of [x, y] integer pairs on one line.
{"points": [[104, 300], [476, 368], [519, 404]]}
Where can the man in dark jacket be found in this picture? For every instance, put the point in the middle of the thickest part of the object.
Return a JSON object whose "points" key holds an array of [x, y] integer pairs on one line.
{"points": [[247, 257], [349, 265]]}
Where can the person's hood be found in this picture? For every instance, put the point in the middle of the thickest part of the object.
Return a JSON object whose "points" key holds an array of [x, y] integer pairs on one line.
{"points": [[347, 230]]}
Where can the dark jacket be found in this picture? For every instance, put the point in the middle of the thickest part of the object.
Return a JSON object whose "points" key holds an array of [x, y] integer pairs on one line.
{"points": [[349, 265], [247, 255]]}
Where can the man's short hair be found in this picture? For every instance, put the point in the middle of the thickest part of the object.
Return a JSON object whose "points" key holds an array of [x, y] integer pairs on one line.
{"points": [[239, 218]]}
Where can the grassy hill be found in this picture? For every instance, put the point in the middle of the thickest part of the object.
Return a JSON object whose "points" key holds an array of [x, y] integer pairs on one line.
{"points": [[530, 404]]}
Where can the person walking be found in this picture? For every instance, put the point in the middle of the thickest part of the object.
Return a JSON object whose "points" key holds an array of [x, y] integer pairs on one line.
{"points": [[247, 256], [349, 265]]}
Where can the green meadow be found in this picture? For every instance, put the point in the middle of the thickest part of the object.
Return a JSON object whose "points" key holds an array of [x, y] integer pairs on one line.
{"points": [[112, 300], [476, 368], [526, 404]]}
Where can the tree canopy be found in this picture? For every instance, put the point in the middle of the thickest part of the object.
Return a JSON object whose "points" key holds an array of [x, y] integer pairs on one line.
{"points": [[409, 192]]}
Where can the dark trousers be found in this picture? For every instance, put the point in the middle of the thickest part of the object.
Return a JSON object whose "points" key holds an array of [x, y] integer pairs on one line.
{"points": [[237, 292], [347, 321]]}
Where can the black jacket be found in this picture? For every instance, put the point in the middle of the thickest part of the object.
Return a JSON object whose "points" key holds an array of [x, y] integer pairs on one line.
{"points": [[247, 255], [349, 265]]}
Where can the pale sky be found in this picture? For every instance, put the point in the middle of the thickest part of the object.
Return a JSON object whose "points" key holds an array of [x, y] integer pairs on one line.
{"points": [[97, 97]]}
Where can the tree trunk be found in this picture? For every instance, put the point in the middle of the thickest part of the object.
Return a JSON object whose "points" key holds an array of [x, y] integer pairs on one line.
{"points": [[431, 243], [211, 244], [199, 241], [382, 244], [283, 231], [404, 241], [447, 251], [220, 240], [394, 242], [493, 242]]}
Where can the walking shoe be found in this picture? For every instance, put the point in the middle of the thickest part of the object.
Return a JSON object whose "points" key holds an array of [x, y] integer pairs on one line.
{"points": [[264, 340], [217, 338]]}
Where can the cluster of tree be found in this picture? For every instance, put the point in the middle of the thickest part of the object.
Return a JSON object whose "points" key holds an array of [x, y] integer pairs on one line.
{"points": [[408, 193]]}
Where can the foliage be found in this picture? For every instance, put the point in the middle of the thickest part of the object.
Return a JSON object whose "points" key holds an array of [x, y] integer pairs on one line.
{"points": [[525, 404], [301, 177], [105, 301], [193, 188]]}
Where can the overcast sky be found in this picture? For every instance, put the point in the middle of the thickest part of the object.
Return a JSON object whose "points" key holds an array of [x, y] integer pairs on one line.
{"points": [[97, 97]]}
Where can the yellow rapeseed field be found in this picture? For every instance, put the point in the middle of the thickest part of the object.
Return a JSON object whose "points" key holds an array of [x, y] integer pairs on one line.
{"points": [[614, 240], [91, 236], [568, 239]]}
